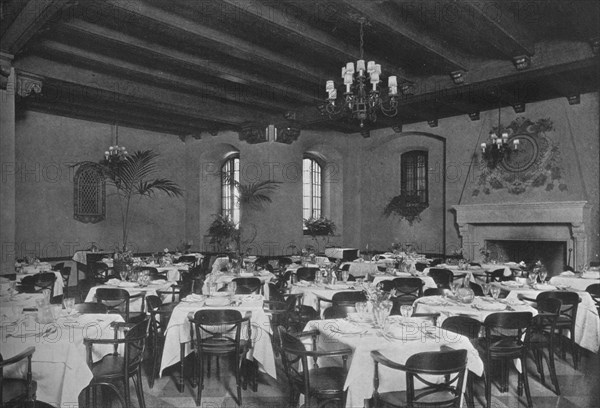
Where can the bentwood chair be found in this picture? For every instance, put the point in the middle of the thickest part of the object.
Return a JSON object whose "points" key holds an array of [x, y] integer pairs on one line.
{"points": [[594, 291], [447, 366], [17, 392], [118, 301], [470, 328], [218, 333], [542, 336], [188, 259], [506, 339], [65, 273], [306, 274], [320, 385], [338, 312], [406, 291], [38, 282], [246, 286], [442, 277], [498, 276], [566, 320], [117, 368], [348, 298], [477, 289], [159, 319]]}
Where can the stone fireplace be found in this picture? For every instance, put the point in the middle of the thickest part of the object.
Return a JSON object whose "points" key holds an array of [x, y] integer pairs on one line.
{"points": [[551, 231]]}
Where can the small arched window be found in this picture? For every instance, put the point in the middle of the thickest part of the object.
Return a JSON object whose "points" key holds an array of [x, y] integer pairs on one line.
{"points": [[312, 188], [414, 177], [230, 178], [89, 197]]}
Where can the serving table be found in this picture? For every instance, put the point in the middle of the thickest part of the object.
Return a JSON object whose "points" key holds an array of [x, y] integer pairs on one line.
{"points": [[59, 363], [177, 336], [407, 336]]}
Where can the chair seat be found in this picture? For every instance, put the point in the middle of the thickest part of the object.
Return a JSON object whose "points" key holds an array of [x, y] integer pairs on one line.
{"points": [[12, 388], [327, 379], [109, 366], [398, 398]]}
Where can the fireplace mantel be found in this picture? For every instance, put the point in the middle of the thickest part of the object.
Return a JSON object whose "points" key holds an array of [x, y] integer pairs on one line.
{"points": [[561, 220]]}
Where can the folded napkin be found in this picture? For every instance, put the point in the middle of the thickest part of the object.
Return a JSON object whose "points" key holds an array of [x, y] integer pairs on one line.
{"points": [[432, 300], [544, 286], [251, 298], [246, 274], [512, 284], [488, 305], [194, 298], [158, 282], [113, 282], [567, 273]]}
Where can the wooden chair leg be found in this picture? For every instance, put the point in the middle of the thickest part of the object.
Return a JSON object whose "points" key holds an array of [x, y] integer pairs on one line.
{"points": [[200, 363], [526, 382], [181, 382], [139, 388], [552, 369]]}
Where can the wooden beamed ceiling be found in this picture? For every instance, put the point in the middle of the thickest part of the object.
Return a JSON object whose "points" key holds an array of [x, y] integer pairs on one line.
{"points": [[187, 67]]}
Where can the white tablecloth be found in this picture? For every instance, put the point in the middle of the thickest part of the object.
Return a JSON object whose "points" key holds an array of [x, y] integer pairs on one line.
{"points": [[587, 324], [58, 287], [479, 309], [59, 362], [81, 256], [25, 300], [137, 304], [223, 279], [359, 382], [360, 269], [178, 332], [572, 282], [314, 293], [341, 253]]}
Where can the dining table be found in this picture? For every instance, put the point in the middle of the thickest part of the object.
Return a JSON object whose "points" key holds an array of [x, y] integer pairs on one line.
{"points": [[59, 363], [428, 281], [401, 339], [134, 288], [587, 323], [315, 294], [570, 280], [57, 288], [221, 279], [178, 339]]}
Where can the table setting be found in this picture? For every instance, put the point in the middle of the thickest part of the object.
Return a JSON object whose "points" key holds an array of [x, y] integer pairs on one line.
{"points": [[314, 292], [177, 335], [142, 284], [59, 362]]}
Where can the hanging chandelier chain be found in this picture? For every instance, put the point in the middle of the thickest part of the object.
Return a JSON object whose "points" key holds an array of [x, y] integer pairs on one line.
{"points": [[362, 42]]}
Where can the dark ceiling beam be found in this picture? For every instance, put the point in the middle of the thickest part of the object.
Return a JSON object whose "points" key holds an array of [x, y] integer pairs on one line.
{"points": [[157, 77], [419, 37], [142, 94], [221, 41], [205, 67], [287, 22], [27, 23], [499, 28]]}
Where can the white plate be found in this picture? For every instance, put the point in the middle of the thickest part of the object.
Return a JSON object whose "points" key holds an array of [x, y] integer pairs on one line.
{"points": [[220, 294], [491, 307], [219, 301], [512, 284]]}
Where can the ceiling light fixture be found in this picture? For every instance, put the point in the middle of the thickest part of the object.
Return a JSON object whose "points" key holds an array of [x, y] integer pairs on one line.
{"points": [[115, 153], [499, 145], [360, 102]]}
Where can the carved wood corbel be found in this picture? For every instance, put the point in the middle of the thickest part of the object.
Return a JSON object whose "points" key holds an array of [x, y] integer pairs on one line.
{"points": [[28, 83]]}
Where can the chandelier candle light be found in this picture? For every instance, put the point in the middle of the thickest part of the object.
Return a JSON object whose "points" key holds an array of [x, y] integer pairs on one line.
{"points": [[361, 103], [498, 147], [115, 153]]}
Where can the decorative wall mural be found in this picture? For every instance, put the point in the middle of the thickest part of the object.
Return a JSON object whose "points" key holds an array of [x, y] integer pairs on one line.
{"points": [[536, 163]]}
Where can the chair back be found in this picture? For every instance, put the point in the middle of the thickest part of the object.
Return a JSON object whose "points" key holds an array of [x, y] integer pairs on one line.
{"points": [[568, 311], [218, 331], [594, 291], [544, 323], [506, 334], [407, 290], [115, 299], [29, 390], [464, 325], [44, 280], [448, 366], [188, 259], [306, 274], [90, 308], [420, 266], [135, 343], [246, 286], [433, 292], [99, 272], [338, 311], [348, 298], [295, 362], [386, 285], [284, 262], [65, 272], [442, 277], [498, 276]]}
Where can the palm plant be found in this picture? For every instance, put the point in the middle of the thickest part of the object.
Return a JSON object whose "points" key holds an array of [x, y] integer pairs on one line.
{"points": [[133, 176]]}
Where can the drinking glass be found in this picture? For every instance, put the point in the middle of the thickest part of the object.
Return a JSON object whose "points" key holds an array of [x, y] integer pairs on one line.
{"points": [[381, 312], [543, 275], [345, 275], [486, 288], [124, 274], [495, 291], [406, 311], [69, 303], [232, 287], [361, 309], [46, 293]]}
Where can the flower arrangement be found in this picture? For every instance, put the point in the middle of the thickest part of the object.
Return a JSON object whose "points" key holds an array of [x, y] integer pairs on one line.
{"points": [[485, 254], [319, 226], [375, 294], [408, 207]]}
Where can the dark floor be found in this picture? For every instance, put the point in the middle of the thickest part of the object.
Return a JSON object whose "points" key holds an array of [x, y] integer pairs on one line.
{"points": [[579, 388]]}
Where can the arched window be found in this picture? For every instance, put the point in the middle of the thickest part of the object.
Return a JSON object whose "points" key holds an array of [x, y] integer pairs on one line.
{"points": [[230, 178], [89, 195], [413, 177], [312, 188]]}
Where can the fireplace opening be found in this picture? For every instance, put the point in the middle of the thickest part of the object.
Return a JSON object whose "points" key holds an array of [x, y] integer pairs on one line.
{"points": [[551, 253]]}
